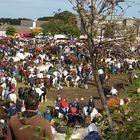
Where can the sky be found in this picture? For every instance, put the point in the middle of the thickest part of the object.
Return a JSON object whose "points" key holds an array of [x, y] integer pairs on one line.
{"points": [[34, 9]]}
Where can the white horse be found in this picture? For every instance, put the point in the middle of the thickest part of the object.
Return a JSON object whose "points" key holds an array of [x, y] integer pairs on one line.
{"points": [[68, 79], [56, 82], [3, 86], [75, 81], [93, 114], [40, 92]]}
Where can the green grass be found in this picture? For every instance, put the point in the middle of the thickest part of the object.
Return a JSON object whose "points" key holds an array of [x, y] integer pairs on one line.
{"points": [[72, 93]]}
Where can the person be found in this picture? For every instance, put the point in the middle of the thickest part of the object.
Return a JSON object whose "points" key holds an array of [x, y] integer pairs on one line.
{"points": [[82, 104], [90, 105], [101, 75], [28, 124], [92, 131], [114, 91], [63, 106], [12, 109]]}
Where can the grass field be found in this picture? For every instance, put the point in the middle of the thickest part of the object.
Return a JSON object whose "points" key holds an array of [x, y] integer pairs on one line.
{"points": [[72, 93]]}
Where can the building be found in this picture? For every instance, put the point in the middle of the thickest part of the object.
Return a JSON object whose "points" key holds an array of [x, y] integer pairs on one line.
{"points": [[126, 22], [25, 26]]}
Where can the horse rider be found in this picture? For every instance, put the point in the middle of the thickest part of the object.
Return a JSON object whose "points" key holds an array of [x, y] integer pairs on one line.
{"points": [[90, 105]]}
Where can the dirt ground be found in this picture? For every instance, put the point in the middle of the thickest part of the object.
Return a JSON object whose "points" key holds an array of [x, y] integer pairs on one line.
{"points": [[73, 93]]}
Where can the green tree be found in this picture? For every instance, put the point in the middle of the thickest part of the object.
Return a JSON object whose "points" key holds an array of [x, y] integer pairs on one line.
{"points": [[67, 17], [62, 23], [45, 18], [10, 31], [127, 117], [54, 26], [72, 30], [58, 26]]}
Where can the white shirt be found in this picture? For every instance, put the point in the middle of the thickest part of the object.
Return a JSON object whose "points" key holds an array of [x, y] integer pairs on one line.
{"points": [[100, 71], [114, 91]]}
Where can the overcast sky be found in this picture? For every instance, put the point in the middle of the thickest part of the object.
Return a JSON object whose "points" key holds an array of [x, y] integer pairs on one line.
{"points": [[39, 8]]}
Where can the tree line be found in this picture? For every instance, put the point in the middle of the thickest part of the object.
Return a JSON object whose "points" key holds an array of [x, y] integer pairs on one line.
{"points": [[61, 23], [11, 21]]}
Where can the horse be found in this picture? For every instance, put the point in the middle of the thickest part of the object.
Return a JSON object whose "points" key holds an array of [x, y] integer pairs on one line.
{"points": [[68, 79], [22, 92], [115, 101], [77, 80], [2, 89], [26, 74], [58, 113], [3, 111], [93, 114], [106, 90], [56, 81], [1, 92]]}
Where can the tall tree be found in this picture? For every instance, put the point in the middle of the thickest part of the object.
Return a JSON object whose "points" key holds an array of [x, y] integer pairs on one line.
{"points": [[58, 26], [92, 14], [66, 16]]}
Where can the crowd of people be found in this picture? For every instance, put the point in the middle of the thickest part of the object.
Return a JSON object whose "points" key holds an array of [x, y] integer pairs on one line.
{"points": [[45, 64]]}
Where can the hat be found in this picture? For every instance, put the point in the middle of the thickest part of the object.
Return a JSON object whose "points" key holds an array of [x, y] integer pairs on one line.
{"points": [[92, 127]]}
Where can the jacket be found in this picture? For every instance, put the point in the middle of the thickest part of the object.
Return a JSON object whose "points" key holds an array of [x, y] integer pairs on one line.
{"points": [[28, 126]]}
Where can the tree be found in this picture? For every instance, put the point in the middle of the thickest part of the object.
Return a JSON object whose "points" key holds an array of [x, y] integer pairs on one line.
{"points": [[109, 30], [36, 31], [58, 26], [10, 31], [93, 14], [66, 16], [45, 18], [54, 26]]}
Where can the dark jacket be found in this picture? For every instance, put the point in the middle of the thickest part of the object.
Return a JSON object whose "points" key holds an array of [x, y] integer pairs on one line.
{"points": [[93, 136]]}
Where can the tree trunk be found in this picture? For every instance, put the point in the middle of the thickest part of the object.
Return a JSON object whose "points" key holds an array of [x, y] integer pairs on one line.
{"points": [[101, 92]]}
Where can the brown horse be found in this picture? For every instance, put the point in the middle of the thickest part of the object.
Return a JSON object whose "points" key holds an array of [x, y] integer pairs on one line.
{"points": [[44, 80], [26, 74], [3, 111], [73, 59], [47, 85], [1, 90], [113, 102]]}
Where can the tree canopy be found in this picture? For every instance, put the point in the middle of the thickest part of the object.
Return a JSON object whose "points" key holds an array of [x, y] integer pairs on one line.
{"points": [[62, 23], [10, 31]]}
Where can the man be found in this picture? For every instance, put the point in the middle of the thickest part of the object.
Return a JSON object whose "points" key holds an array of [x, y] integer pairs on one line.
{"points": [[12, 110], [90, 105], [114, 91], [28, 125], [93, 134], [82, 104], [101, 75]]}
